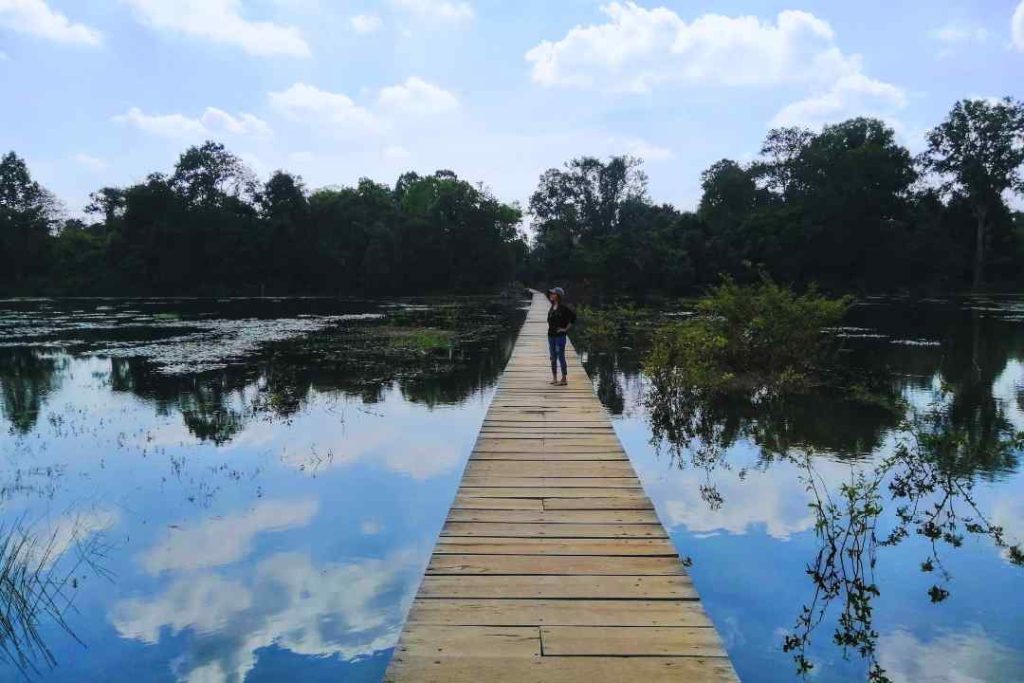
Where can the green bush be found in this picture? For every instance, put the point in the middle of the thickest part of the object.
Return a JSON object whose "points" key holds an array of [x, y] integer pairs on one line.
{"points": [[758, 335]]}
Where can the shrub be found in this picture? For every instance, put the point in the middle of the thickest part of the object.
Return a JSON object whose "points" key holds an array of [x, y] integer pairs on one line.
{"points": [[758, 335]]}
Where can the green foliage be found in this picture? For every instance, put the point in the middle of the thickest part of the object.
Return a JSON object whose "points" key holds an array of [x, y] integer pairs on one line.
{"points": [[978, 151], [209, 228], [607, 329], [842, 207], [759, 335]]}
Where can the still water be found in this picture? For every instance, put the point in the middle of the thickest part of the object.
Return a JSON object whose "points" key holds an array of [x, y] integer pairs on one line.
{"points": [[249, 490], [238, 490], [736, 485]]}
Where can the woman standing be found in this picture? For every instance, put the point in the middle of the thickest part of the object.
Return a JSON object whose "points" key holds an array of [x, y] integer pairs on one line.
{"points": [[560, 319]]}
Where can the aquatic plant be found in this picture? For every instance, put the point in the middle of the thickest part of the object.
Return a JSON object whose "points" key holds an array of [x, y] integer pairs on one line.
{"points": [[37, 584], [757, 336]]}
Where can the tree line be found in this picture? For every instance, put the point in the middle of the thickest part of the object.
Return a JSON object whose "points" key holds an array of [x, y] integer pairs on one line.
{"points": [[210, 228], [847, 207]]}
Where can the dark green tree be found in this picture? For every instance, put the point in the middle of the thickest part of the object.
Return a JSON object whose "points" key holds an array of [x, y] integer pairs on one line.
{"points": [[978, 152]]}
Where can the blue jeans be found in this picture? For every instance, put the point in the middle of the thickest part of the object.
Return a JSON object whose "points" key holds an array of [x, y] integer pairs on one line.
{"points": [[556, 346]]}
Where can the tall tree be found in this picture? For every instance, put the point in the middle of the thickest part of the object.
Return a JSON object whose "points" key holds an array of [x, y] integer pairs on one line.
{"points": [[28, 216], [978, 151], [208, 174]]}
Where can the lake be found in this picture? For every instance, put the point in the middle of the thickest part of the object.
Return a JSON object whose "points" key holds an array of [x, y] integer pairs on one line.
{"points": [[250, 489]]}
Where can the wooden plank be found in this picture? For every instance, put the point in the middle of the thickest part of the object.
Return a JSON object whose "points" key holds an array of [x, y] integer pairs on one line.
{"points": [[560, 456], [552, 492], [463, 502], [544, 468], [473, 641], [559, 587], [516, 530], [536, 565], [554, 546], [559, 669], [597, 503], [497, 612], [653, 641], [491, 481], [555, 516]]}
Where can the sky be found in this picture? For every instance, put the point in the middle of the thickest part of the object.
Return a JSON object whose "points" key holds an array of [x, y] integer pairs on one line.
{"points": [[103, 92]]}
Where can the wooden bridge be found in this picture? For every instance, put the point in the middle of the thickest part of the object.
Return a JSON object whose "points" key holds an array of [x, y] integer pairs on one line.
{"points": [[552, 564]]}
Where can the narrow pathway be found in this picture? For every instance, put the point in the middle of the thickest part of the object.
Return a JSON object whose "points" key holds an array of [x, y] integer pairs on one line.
{"points": [[552, 564]]}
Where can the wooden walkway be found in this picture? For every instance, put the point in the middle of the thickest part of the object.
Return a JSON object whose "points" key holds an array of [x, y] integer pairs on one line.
{"points": [[552, 564]]}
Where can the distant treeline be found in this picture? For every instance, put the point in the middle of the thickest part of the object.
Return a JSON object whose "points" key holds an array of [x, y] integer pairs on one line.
{"points": [[209, 228], [848, 208]]}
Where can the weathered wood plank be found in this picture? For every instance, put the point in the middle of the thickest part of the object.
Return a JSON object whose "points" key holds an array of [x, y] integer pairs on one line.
{"points": [[559, 669], [552, 492], [555, 516], [561, 530], [597, 503], [497, 612], [463, 502], [644, 641], [544, 468], [493, 481], [471, 641], [554, 546], [559, 587], [538, 565]]}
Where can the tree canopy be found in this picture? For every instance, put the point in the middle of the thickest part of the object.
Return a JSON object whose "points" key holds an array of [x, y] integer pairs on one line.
{"points": [[209, 227], [846, 207]]}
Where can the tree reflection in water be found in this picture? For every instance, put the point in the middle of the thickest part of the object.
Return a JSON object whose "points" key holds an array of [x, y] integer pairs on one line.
{"points": [[927, 481], [40, 573]]}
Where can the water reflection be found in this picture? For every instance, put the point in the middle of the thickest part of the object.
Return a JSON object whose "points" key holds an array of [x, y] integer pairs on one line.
{"points": [[27, 378], [286, 600], [266, 513], [867, 489]]}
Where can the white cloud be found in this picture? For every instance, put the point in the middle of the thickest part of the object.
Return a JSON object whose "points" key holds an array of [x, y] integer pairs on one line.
{"points": [[222, 541], [417, 97], [955, 34], [36, 18], [213, 121], [345, 610], [763, 499], [244, 124], [437, 11], [308, 103], [639, 49], [395, 104], [365, 23], [220, 21], [89, 162], [166, 125], [1017, 27], [967, 657], [638, 147], [853, 94], [4, 56]]}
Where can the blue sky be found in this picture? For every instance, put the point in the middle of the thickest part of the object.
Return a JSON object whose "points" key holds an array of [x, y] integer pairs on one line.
{"points": [[102, 92]]}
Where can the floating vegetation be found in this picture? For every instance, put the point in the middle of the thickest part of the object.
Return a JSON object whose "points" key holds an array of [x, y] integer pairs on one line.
{"points": [[915, 342]]}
